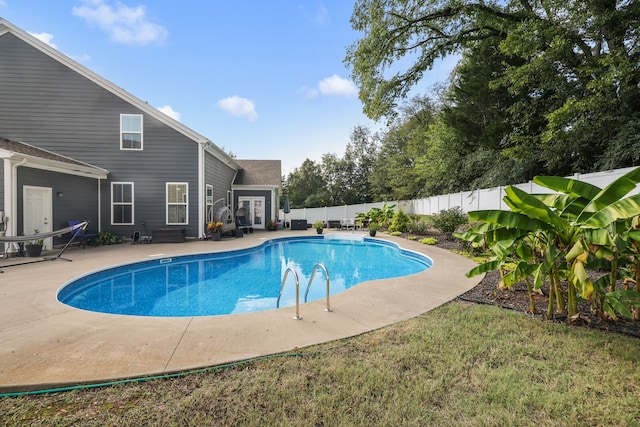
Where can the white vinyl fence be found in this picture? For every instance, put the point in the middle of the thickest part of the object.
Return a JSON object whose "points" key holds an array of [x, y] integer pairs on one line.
{"points": [[481, 199]]}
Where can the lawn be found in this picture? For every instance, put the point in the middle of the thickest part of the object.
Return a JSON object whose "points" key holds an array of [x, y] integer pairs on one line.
{"points": [[459, 365]]}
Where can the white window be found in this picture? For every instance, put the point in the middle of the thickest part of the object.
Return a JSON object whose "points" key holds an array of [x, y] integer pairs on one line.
{"points": [[177, 202], [209, 202], [122, 203], [131, 132]]}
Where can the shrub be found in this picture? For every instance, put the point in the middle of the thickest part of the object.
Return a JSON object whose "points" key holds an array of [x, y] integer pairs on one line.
{"points": [[400, 222], [448, 220], [106, 238], [418, 227], [429, 241], [395, 233]]}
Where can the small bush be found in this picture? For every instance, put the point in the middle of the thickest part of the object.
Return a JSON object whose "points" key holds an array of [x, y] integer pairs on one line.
{"points": [[413, 238], [429, 241], [418, 227], [400, 222], [395, 233], [448, 220], [106, 238]]}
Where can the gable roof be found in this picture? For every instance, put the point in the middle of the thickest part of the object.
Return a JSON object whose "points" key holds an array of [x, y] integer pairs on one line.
{"points": [[43, 159], [259, 173], [7, 27]]}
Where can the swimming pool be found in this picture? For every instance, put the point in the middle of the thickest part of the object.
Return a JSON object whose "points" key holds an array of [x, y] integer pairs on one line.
{"points": [[238, 281]]}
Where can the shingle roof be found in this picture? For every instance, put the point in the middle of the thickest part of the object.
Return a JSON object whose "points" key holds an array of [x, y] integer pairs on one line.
{"points": [[259, 172], [38, 153]]}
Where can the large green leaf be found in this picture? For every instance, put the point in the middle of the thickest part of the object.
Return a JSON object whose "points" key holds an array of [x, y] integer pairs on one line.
{"points": [[521, 272], [524, 251], [476, 235], [484, 268], [532, 207], [635, 235], [509, 219], [568, 186], [569, 205], [614, 192], [621, 209], [598, 236]]}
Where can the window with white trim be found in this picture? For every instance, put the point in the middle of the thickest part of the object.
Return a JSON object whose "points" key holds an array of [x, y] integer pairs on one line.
{"points": [[177, 203], [122, 203], [209, 202], [131, 131]]}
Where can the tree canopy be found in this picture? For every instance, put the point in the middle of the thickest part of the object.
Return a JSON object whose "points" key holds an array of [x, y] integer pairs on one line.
{"points": [[543, 87], [571, 69]]}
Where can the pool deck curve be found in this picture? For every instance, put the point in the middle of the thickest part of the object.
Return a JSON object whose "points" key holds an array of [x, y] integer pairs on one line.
{"points": [[47, 345]]}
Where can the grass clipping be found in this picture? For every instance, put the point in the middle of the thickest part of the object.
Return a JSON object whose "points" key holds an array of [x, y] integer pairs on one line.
{"points": [[458, 365]]}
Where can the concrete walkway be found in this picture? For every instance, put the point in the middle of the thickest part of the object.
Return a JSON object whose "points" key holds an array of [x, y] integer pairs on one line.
{"points": [[46, 344]]}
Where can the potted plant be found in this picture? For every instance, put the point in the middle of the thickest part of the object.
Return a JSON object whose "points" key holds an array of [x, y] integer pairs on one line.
{"points": [[34, 248], [318, 225], [214, 228], [373, 228], [271, 226]]}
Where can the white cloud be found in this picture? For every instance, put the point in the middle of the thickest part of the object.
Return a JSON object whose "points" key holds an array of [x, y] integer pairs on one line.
{"points": [[44, 37], [123, 24], [170, 112], [239, 107], [331, 86], [337, 86]]}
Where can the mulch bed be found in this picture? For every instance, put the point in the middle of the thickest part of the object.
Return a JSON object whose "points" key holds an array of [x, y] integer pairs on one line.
{"points": [[517, 298]]}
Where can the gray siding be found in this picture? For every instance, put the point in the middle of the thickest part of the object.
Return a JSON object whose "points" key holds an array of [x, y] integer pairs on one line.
{"points": [[78, 200], [219, 175], [48, 105]]}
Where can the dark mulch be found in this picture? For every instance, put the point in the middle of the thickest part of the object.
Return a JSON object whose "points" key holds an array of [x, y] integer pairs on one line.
{"points": [[517, 298]]}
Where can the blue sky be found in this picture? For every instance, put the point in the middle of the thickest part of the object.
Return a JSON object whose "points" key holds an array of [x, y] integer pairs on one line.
{"points": [[262, 79]]}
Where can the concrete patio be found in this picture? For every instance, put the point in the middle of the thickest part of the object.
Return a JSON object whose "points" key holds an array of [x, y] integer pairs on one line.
{"points": [[46, 344]]}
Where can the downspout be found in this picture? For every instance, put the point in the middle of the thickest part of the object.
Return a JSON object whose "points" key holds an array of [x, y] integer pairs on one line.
{"points": [[11, 198], [201, 195], [99, 206], [233, 195]]}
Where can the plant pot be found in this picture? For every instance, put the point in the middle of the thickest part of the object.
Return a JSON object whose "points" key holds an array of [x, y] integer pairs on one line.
{"points": [[319, 230], [216, 237], [33, 250], [372, 233]]}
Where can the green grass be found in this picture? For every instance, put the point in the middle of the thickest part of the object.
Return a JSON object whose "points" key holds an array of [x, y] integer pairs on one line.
{"points": [[459, 365]]}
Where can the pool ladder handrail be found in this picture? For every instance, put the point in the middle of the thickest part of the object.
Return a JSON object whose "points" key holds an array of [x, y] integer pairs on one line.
{"points": [[284, 280], [328, 282], [313, 273]]}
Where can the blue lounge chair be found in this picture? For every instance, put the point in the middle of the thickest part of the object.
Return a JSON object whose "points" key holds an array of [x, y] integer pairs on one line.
{"points": [[79, 233]]}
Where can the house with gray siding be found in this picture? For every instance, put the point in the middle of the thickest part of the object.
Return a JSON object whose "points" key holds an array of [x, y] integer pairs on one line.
{"points": [[74, 146], [256, 190]]}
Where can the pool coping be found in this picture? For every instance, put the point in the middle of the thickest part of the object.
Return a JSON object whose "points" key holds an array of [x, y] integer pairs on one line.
{"points": [[47, 345]]}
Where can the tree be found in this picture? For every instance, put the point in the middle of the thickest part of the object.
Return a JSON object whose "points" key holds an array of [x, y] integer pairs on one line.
{"points": [[397, 174], [307, 187], [571, 68]]}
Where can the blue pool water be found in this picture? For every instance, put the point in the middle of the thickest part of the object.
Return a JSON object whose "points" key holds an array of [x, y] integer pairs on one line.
{"points": [[238, 281]]}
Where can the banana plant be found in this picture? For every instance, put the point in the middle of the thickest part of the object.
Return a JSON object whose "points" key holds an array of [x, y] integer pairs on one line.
{"points": [[603, 219], [557, 237]]}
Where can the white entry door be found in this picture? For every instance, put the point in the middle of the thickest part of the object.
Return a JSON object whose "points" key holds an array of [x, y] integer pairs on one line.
{"points": [[37, 211], [255, 207]]}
